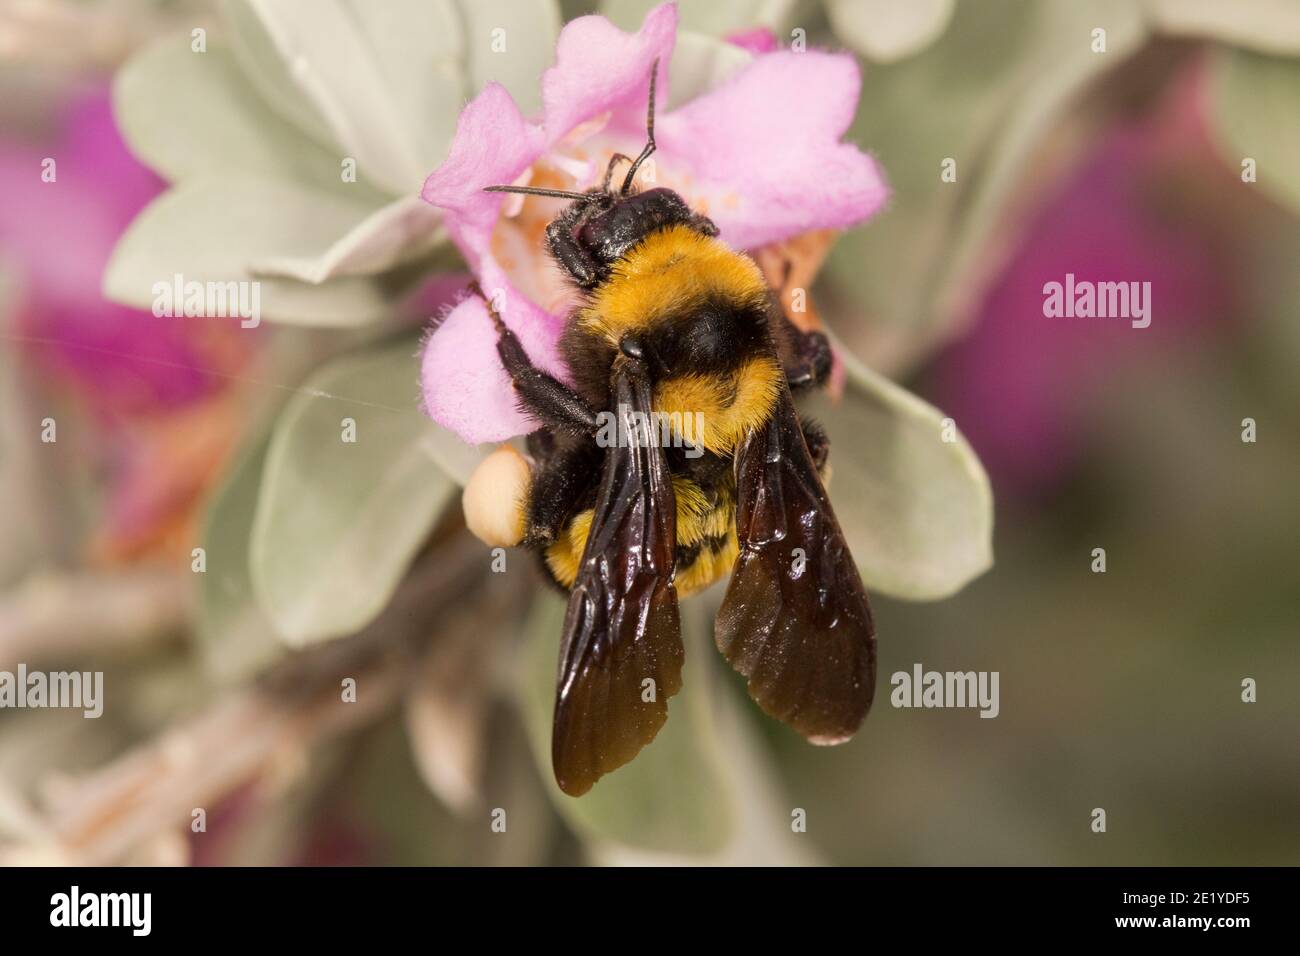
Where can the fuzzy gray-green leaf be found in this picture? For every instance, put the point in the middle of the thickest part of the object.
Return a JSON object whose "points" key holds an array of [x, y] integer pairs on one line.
{"points": [[339, 521]]}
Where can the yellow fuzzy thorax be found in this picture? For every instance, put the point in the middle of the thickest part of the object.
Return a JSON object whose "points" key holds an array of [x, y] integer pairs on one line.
{"points": [[663, 276], [697, 521]]}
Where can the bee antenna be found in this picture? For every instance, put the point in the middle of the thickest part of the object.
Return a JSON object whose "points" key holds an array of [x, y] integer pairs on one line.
{"points": [[537, 191], [649, 133]]}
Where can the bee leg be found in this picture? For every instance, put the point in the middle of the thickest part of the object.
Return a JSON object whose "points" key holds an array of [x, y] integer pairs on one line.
{"points": [[545, 396], [560, 480], [805, 354], [811, 365], [512, 500], [819, 446], [540, 444], [569, 253]]}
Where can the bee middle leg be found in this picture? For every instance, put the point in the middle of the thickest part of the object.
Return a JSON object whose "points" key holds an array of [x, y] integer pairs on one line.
{"points": [[806, 355], [810, 360], [512, 500], [819, 446]]}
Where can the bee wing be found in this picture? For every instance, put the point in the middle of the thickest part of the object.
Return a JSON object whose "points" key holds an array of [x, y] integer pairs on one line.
{"points": [[795, 618], [622, 626]]}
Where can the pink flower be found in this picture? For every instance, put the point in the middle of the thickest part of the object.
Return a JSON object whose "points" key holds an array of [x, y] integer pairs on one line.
{"points": [[59, 235], [163, 386], [1021, 383], [755, 40], [760, 155]]}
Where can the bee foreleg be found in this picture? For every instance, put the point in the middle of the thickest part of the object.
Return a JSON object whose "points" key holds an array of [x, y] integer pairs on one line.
{"points": [[571, 254], [545, 396]]}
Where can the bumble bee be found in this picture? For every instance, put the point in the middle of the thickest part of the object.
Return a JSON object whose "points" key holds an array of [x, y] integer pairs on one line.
{"points": [[676, 325]]}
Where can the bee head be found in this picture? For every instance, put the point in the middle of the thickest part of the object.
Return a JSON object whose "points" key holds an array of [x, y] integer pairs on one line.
{"points": [[600, 225]]}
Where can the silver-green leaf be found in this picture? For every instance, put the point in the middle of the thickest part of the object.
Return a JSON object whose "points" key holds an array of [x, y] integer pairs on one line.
{"points": [[212, 228], [1269, 26], [716, 18], [887, 30], [909, 492], [510, 42], [380, 76], [701, 63], [985, 96], [1255, 110], [390, 236], [350, 492], [236, 639], [185, 114]]}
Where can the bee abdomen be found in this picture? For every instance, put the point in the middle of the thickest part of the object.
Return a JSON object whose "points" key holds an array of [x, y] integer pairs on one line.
{"points": [[702, 563]]}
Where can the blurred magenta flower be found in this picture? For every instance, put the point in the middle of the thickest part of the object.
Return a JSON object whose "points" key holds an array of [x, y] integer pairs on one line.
{"points": [[161, 385], [759, 154], [58, 235], [756, 40], [1018, 384]]}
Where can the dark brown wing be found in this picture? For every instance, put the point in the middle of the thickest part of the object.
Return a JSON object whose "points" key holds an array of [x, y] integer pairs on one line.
{"points": [[622, 626], [800, 630]]}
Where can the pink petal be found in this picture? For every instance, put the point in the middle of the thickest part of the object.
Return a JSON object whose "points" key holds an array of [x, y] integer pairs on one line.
{"points": [[493, 144], [765, 149], [755, 39], [465, 387], [600, 69]]}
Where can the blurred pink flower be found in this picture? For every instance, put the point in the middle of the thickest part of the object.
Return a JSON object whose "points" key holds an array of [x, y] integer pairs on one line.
{"points": [[162, 385], [1018, 384], [755, 40], [58, 237], [760, 155]]}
